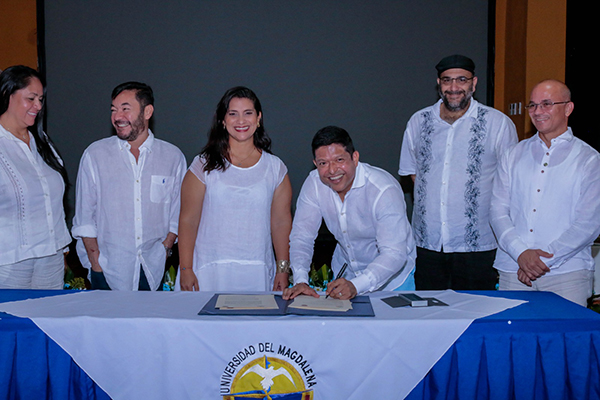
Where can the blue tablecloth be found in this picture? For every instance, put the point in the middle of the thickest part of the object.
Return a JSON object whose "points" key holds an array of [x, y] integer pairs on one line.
{"points": [[548, 348], [33, 366]]}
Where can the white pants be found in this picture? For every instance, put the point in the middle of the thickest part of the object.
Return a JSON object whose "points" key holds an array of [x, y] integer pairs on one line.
{"points": [[35, 273], [575, 286]]}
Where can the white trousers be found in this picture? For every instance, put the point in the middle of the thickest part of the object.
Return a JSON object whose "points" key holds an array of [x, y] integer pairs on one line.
{"points": [[35, 273], [575, 286]]}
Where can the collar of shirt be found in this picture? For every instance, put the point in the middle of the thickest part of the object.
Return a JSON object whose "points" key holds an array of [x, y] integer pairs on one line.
{"points": [[359, 177], [146, 146], [7, 134], [566, 136]]}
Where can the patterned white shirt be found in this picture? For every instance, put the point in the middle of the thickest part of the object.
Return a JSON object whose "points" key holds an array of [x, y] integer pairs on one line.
{"points": [[454, 166]]}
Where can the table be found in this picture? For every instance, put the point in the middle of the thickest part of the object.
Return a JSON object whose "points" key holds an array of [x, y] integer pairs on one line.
{"points": [[32, 366], [547, 348]]}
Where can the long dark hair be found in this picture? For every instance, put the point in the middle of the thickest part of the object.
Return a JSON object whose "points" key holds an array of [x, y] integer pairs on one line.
{"points": [[216, 151], [16, 78]]}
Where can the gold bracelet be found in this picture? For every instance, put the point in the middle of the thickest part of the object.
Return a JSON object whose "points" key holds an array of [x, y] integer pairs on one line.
{"points": [[283, 266]]}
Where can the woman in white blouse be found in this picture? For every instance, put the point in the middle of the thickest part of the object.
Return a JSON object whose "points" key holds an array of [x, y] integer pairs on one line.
{"points": [[235, 205], [33, 232]]}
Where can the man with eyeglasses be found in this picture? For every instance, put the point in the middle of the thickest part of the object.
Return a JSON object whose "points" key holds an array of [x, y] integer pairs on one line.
{"points": [[450, 150], [545, 207]]}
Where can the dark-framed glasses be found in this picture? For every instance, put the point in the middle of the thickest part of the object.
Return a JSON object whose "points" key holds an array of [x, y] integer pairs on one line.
{"points": [[544, 105], [461, 80]]}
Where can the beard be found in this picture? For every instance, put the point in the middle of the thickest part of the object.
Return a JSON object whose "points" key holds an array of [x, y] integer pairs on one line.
{"points": [[456, 105], [137, 127]]}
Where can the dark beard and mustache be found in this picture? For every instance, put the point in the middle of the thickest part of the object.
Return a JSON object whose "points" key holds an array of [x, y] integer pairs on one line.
{"points": [[460, 105], [137, 127]]}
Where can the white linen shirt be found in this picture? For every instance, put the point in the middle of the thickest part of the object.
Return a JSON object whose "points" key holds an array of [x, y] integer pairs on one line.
{"points": [[129, 206], [549, 199], [370, 226], [32, 217], [454, 166]]}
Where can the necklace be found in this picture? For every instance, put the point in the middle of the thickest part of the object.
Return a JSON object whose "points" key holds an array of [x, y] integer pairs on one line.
{"points": [[240, 162], [24, 137]]}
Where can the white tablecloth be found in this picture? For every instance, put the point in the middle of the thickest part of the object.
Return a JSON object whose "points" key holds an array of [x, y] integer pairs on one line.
{"points": [[153, 345]]}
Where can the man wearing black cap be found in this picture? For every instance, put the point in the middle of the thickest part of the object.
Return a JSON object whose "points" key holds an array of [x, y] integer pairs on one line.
{"points": [[450, 150]]}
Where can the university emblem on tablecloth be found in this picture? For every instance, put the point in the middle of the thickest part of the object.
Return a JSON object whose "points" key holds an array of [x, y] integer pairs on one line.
{"points": [[262, 371]]}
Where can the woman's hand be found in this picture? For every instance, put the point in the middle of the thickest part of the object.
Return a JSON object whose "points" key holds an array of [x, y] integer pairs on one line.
{"points": [[188, 280], [281, 281]]}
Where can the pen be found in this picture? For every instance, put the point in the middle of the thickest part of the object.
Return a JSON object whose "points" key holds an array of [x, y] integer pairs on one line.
{"points": [[340, 274]]}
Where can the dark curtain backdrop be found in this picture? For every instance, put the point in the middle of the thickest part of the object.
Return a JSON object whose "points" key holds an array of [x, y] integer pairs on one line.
{"points": [[366, 66]]}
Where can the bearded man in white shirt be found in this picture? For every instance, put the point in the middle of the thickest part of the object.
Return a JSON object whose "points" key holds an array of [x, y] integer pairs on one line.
{"points": [[363, 207], [127, 197], [545, 208], [451, 150]]}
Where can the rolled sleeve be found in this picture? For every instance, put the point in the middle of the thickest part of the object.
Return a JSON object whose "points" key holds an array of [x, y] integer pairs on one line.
{"points": [[84, 221]]}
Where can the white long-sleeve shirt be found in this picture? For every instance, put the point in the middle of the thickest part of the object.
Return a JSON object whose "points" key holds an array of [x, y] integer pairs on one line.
{"points": [[549, 199], [370, 226], [32, 217], [454, 166], [129, 206]]}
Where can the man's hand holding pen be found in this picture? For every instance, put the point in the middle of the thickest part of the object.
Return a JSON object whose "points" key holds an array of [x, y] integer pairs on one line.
{"points": [[341, 289]]}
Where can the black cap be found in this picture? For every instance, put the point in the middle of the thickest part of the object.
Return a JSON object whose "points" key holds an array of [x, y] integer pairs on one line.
{"points": [[455, 61]]}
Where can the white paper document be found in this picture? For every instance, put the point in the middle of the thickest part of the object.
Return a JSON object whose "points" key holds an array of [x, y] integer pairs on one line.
{"points": [[246, 302], [321, 303]]}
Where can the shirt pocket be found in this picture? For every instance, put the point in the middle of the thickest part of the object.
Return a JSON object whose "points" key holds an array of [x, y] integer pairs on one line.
{"points": [[161, 188]]}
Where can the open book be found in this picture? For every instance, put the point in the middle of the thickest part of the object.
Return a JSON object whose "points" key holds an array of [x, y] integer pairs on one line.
{"points": [[271, 304]]}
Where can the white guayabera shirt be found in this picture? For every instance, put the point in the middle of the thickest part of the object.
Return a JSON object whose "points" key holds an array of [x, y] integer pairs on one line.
{"points": [[454, 166]]}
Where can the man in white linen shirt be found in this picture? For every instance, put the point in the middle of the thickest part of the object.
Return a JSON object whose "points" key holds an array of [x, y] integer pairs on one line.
{"points": [[363, 207], [545, 209], [450, 150], [127, 197]]}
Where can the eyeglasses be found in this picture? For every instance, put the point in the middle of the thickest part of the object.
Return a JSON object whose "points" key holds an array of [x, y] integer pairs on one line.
{"points": [[544, 105], [461, 80]]}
